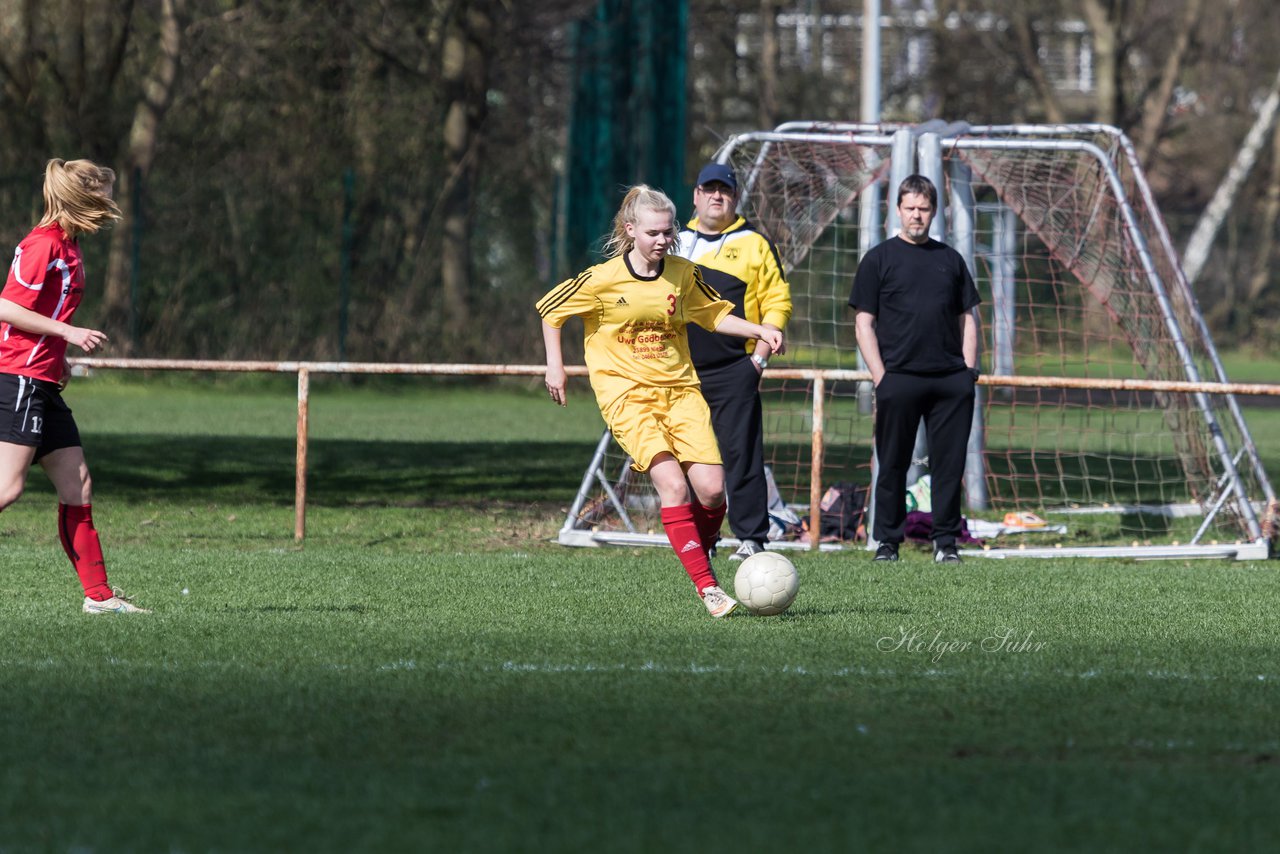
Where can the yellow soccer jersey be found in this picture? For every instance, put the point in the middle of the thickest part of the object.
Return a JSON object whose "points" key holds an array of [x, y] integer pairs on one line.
{"points": [[634, 326]]}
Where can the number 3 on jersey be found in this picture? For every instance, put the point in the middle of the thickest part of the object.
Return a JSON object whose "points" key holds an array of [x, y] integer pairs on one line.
{"points": [[671, 298]]}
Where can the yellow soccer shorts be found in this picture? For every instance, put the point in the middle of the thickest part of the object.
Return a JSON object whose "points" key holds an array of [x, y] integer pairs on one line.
{"points": [[648, 421]]}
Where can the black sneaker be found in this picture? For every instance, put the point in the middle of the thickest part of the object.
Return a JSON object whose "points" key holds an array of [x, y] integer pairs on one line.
{"points": [[887, 551], [746, 550], [946, 554]]}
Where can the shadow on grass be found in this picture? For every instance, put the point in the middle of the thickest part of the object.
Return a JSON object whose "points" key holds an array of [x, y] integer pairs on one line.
{"points": [[340, 472], [346, 473]]}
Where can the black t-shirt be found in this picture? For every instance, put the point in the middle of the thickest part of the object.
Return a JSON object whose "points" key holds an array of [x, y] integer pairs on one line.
{"points": [[916, 292]]}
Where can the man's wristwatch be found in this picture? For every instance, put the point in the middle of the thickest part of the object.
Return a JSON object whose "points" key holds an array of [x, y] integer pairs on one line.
{"points": [[761, 361]]}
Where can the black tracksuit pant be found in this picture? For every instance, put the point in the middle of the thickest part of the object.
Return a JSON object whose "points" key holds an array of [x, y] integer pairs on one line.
{"points": [[732, 392], [945, 402]]}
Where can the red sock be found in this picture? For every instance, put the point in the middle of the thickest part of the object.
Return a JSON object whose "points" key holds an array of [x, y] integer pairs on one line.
{"points": [[80, 542], [682, 533], [708, 520]]}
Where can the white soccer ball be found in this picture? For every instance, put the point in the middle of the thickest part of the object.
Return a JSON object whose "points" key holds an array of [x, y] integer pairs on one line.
{"points": [[766, 584]]}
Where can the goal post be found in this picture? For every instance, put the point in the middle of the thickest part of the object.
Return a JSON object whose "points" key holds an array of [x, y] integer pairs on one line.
{"points": [[1080, 283]]}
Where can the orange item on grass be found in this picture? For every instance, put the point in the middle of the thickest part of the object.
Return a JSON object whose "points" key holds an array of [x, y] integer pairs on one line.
{"points": [[1023, 519]]}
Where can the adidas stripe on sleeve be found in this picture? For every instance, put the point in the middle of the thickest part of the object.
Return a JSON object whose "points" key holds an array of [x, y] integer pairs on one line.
{"points": [[571, 298]]}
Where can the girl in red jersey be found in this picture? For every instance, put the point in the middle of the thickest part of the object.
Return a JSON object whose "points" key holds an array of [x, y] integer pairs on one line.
{"points": [[42, 292], [634, 308]]}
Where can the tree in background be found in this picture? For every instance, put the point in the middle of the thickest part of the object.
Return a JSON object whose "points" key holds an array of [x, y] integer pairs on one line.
{"points": [[249, 131], [90, 78]]}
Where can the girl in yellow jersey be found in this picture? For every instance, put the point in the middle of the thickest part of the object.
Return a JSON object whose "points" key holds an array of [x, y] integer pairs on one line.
{"points": [[634, 309]]}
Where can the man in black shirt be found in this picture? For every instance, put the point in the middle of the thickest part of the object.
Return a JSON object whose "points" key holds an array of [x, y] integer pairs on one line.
{"points": [[919, 337]]}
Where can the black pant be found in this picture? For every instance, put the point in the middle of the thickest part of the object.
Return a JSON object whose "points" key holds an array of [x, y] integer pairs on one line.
{"points": [[732, 392], [945, 402]]}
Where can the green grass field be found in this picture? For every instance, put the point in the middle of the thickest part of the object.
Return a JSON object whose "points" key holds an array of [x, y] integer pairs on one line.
{"points": [[431, 673]]}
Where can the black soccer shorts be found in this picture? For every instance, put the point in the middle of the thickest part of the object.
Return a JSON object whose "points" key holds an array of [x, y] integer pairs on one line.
{"points": [[33, 413]]}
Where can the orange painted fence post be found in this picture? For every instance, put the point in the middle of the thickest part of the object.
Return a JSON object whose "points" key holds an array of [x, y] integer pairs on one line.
{"points": [[300, 470]]}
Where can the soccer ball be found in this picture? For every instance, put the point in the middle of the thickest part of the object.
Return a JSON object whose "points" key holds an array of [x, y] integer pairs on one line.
{"points": [[766, 584]]}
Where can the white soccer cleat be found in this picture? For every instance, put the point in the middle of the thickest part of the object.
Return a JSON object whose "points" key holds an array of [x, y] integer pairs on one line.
{"points": [[746, 550], [719, 604], [117, 604]]}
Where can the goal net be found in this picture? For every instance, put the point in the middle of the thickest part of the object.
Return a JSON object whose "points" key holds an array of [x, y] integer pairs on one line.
{"points": [[1089, 432]]}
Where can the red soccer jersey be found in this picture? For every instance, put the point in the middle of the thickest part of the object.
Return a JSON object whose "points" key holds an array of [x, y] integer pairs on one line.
{"points": [[47, 277]]}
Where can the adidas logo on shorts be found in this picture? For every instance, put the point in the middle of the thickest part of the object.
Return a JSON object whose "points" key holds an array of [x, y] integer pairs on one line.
{"points": [[621, 301]]}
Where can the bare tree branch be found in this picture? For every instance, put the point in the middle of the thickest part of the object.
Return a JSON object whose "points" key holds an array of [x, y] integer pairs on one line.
{"points": [[1028, 45], [1197, 251], [1262, 268], [1155, 107], [1103, 20]]}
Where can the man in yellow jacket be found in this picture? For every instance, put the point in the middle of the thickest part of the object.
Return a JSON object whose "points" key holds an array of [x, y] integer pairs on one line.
{"points": [[743, 266]]}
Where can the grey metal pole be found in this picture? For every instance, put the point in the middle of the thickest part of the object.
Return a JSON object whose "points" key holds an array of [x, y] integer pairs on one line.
{"points": [[868, 236], [870, 107], [869, 201], [929, 151], [962, 239], [963, 213], [1004, 241], [902, 165]]}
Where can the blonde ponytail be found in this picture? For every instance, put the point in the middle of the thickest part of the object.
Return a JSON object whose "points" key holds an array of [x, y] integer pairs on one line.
{"points": [[639, 197]]}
